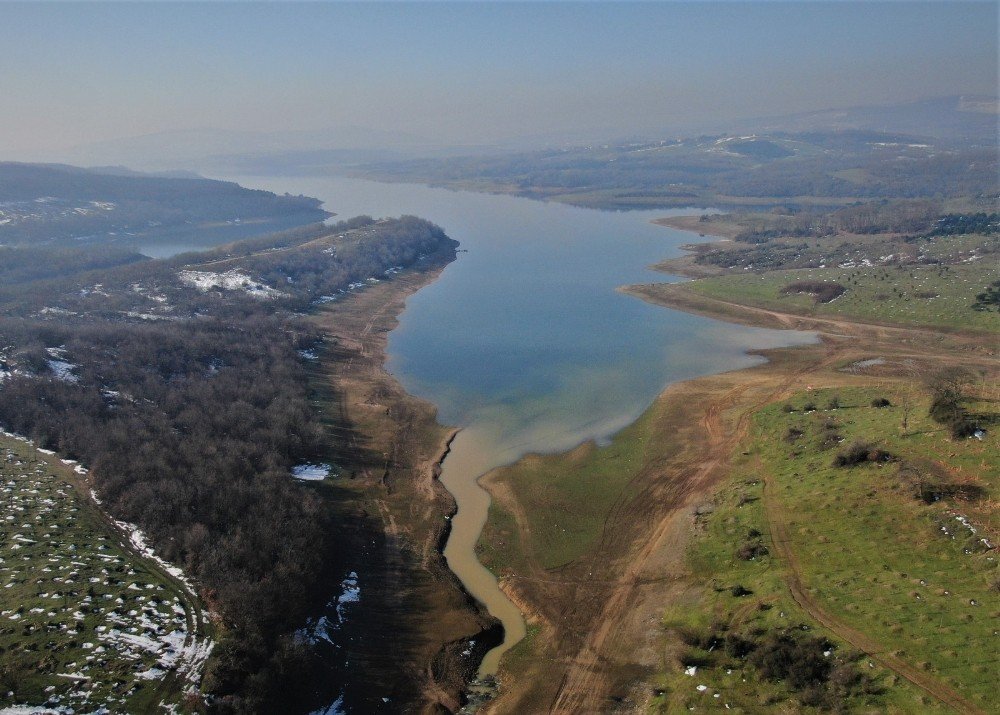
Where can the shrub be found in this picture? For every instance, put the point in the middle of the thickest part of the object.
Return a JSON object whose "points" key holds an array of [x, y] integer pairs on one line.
{"points": [[749, 550], [737, 646], [859, 453], [947, 388], [830, 437], [793, 434], [930, 492], [879, 402], [963, 427], [795, 659], [834, 403], [822, 292]]}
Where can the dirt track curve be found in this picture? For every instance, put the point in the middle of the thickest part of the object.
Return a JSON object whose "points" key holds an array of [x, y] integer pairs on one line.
{"points": [[875, 650], [590, 641]]}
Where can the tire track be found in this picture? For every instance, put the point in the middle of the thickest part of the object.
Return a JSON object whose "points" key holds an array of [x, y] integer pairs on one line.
{"points": [[875, 650]]}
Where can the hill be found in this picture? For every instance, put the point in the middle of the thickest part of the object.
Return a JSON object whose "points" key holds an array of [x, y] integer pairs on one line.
{"points": [[55, 202]]}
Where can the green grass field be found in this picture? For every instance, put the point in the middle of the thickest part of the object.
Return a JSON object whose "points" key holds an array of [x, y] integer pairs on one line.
{"points": [[912, 575], [934, 296], [570, 496], [83, 623]]}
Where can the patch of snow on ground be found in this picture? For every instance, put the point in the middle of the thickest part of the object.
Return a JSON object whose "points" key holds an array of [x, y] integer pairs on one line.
{"points": [[311, 472], [138, 540], [63, 370], [230, 280], [318, 629], [351, 594], [337, 708]]}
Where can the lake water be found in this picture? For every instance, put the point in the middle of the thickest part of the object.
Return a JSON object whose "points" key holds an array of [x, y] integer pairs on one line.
{"points": [[171, 240], [524, 341]]}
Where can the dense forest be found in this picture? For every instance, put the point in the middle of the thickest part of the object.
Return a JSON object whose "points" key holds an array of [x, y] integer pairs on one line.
{"points": [[50, 202], [188, 400]]}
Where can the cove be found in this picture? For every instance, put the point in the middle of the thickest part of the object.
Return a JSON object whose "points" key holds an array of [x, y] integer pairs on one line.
{"points": [[524, 342]]}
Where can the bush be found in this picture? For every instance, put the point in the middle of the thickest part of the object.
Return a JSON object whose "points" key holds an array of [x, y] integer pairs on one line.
{"points": [[859, 453], [963, 428], [822, 292], [830, 437], [793, 434], [749, 550], [737, 646], [795, 659], [947, 388], [834, 403], [880, 402]]}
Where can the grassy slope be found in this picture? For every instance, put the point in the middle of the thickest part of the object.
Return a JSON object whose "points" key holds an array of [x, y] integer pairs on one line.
{"points": [[869, 551], [67, 587], [924, 296]]}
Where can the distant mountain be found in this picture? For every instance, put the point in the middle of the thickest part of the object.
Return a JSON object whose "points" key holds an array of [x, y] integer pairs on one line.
{"points": [[953, 119], [205, 149], [125, 171]]}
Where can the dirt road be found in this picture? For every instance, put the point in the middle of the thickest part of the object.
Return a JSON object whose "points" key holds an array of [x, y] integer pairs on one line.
{"points": [[598, 634]]}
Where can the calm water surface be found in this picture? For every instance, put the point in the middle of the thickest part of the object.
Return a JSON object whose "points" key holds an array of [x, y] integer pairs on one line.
{"points": [[524, 341]]}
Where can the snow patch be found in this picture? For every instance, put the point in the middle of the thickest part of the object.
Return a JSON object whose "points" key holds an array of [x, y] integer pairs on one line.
{"points": [[336, 708], [230, 280], [311, 472]]}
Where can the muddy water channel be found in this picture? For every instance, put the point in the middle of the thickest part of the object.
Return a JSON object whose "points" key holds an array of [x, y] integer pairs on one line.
{"points": [[524, 342]]}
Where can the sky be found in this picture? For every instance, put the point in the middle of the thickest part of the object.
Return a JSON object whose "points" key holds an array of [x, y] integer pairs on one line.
{"points": [[78, 73]]}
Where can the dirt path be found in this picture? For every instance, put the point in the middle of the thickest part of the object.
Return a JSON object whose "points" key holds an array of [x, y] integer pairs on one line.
{"points": [[599, 615], [875, 650], [583, 687]]}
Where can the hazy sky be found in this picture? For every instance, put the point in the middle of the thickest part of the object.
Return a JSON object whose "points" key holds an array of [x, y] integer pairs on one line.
{"points": [[75, 73]]}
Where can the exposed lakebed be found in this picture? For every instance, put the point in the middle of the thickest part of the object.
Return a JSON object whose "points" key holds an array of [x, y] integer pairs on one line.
{"points": [[524, 341]]}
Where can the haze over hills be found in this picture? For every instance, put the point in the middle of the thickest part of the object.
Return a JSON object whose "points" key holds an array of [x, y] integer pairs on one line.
{"points": [[200, 148], [952, 119], [955, 118], [830, 159]]}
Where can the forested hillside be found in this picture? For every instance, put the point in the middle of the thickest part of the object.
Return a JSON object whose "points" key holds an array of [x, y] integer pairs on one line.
{"points": [[180, 385], [50, 202]]}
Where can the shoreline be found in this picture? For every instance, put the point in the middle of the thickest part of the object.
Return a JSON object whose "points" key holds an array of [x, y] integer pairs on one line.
{"points": [[391, 447], [593, 636]]}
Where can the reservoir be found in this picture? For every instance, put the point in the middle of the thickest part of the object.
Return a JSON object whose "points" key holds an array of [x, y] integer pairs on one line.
{"points": [[524, 341]]}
